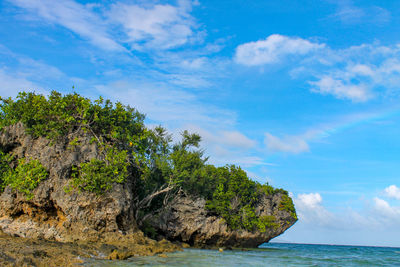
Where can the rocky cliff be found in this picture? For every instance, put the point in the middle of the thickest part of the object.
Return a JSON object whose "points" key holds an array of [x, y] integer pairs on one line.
{"points": [[55, 214], [72, 170], [187, 220]]}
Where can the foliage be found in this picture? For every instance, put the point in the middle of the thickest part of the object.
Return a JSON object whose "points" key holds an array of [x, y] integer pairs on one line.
{"points": [[4, 169], [60, 115], [287, 205], [25, 177], [269, 190], [267, 221], [97, 175], [235, 199]]}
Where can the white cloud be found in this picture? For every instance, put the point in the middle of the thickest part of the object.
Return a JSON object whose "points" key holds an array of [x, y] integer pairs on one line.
{"points": [[393, 192], [341, 89], [76, 17], [359, 81], [357, 73], [310, 210], [388, 212], [237, 138], [377, 213], [273, 49], [349, 13], [157, 26], [289, 144], [310, 201]]}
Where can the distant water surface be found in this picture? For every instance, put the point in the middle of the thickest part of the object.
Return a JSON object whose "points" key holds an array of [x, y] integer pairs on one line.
{"points": [[271, 254]]}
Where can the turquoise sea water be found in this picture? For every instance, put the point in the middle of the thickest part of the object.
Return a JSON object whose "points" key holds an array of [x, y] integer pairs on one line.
{"points": [[272, 254]]}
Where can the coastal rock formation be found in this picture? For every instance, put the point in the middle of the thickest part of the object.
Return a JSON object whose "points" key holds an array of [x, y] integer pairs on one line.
{"points": [[187, 220], [93, 175], [53, 213]]}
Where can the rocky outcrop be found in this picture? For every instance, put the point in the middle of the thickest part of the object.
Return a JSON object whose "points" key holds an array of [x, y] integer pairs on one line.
{"points": [[53, 213], [85, 224], [187, 220]]}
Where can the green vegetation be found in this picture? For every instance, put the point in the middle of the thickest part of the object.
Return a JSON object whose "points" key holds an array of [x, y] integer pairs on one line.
{"points": [[130, 152], [236, 197], [5, 160], [97, 175], [287, 205], [110, 126], [24, 178], [58, 116]]}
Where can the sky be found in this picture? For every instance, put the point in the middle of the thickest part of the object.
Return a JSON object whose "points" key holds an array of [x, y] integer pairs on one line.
{"points": [[303, 95]]}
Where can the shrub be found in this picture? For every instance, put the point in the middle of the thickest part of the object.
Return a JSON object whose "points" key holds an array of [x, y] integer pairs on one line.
{"points": [[286, 204], [60, 115], [267, 221], [98, 176], [4, 169], [26, 176]]}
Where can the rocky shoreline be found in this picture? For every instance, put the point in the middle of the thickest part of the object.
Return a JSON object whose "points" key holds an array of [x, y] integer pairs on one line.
{"points": [[18, 251]]}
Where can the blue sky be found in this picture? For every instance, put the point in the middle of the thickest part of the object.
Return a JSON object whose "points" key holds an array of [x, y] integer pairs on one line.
{"points": [[302, 94]]}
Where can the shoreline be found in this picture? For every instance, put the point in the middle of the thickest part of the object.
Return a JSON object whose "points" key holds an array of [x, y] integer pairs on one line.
{"points": [[20, 251]]}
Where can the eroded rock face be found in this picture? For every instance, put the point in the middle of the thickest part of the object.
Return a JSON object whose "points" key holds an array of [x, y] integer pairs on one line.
{"points": [[54, 214], [187, 220]]}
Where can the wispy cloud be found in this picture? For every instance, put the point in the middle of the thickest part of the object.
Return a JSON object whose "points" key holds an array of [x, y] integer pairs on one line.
{"points": [[273, 49], [164, 103], [157, 30], [348, 13], [301, 142], [357, 73], [287, 144], [11, 84], [111, 27], [74, 16], [22, 73], [155, 26]]}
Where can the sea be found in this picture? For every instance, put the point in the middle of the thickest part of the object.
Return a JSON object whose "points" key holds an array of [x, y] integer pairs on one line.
{"points": [[270, 254]]}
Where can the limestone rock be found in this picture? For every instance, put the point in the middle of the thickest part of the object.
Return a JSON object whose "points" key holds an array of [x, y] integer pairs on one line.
{"points": [[54, 214], [187, 220]]}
